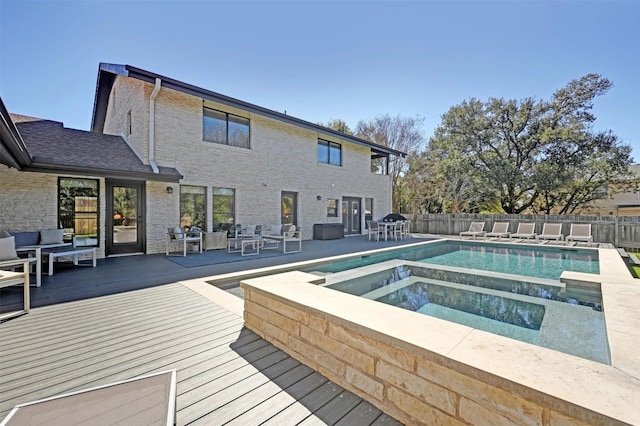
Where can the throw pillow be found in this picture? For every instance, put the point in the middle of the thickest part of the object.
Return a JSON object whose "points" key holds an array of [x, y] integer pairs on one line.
{"points": [[251, 229], [178, 232], [276, 229], [51, 236], [8, 248], [4, 234], [289, 231]]}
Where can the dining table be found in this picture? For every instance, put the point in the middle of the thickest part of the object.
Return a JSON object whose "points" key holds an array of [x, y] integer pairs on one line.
{"points": [[387, 226]]}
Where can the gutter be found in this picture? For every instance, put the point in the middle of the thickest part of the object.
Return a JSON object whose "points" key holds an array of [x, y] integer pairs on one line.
{"points": [[152, 126]]}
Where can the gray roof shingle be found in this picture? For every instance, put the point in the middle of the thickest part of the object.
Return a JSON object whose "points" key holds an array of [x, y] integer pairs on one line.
{"points": [[52, 146]]}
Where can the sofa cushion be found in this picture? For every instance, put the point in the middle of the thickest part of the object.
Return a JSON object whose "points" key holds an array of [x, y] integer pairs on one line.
{"points": [[51, 236], [8, 248], [28, 238]]}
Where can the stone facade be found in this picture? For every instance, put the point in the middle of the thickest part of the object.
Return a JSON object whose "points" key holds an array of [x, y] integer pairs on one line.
{"points": [[425, 371]]}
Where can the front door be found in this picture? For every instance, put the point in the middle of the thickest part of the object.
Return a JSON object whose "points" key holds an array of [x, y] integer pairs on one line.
{"points": [[351, 215], [125, 225]]}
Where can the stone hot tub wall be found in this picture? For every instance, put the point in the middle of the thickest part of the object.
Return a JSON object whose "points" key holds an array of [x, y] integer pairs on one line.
{"points": [[422, 370]]}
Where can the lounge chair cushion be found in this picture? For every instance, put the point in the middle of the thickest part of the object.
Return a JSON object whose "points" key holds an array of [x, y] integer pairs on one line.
{"points": [[8, 248], [51, 236]]}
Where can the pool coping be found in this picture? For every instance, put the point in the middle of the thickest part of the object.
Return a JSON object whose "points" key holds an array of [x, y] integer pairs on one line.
{"points": [[611, 390]]}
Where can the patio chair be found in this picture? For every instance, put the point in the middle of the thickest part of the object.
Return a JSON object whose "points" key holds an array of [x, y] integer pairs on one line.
{"points": [[11, 278], [177, 235], [396, 230], [475, 230], [580, 232], [525, 230], [406, 229], [500, 229], [375, 229], [551, 231]]}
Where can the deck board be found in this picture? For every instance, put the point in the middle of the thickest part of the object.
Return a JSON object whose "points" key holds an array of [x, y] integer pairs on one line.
{"points": [[225, 372]]}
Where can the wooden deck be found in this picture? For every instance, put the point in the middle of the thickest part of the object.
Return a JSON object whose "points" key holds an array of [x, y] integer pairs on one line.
{"points": [[226, 373]]}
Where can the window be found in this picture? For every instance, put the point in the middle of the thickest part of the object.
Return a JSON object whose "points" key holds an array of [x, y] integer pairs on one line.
{"points": [[78, 209], [379, 165], [289, 208], [224, 128], [329, 152], [193, 206], [224, 201], [332, 207], [368, 211], [129, 122]]}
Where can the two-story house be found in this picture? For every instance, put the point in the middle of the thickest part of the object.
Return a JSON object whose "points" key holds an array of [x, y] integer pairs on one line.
{"points": [[193, 157]]}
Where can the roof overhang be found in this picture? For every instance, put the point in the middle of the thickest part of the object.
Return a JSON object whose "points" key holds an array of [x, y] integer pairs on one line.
{"points": [[44, 167], [107, 74], [13, 151]]}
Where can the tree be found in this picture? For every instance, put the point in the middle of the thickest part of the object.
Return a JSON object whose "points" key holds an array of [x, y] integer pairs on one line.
{"points": [[339, 125], [400, 133], [533, 155]]}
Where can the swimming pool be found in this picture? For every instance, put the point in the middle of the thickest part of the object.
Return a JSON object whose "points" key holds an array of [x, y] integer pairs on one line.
{"points": [[535, 261]]}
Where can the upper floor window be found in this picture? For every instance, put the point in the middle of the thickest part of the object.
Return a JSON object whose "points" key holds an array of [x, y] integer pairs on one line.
{"points": [[329, 152], [224, 128]]}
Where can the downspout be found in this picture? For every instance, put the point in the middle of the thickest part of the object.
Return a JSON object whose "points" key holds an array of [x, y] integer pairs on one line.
{"points": [[152, 126]]}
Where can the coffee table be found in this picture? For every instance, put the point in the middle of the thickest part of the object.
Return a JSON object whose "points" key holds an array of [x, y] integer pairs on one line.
{"points": [[241, 244]]}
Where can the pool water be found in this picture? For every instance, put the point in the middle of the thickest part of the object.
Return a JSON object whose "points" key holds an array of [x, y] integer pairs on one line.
{"points": [[539, 261], [416, 296], [527, 309]]}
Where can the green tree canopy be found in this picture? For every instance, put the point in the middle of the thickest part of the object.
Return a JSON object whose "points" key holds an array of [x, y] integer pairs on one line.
{"points": [[529, 155]]}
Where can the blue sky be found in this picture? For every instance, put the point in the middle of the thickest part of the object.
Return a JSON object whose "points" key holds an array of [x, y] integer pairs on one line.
{"points": [[325, 60]]}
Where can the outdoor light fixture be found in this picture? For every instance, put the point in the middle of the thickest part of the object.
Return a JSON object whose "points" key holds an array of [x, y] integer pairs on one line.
{"points": [[169, 190], [318, 197]]}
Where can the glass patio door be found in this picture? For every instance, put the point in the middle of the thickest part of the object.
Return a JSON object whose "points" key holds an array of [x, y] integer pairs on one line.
{"points": [[125, 217], [351, 215]]}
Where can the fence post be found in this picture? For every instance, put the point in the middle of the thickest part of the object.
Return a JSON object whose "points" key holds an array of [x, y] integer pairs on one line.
{"points": [[615, 231]]}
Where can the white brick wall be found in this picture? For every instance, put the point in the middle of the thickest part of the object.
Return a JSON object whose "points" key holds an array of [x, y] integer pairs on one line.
{"points": [[29, 201], [282, 157]]}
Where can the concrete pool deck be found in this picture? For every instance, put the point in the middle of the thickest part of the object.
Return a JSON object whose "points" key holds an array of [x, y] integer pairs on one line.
{"points": [[437, 371]]}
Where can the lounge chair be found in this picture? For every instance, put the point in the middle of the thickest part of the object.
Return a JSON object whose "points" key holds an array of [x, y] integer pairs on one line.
{"points": [[525, 230], [177, 235], [475, 230], [289, 234], [500, 229], [551, 231], [580, 232]]}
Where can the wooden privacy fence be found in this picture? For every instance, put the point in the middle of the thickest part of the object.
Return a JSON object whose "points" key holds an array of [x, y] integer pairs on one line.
{"points": [[621, 231]]}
